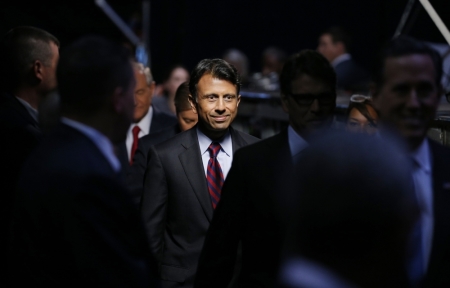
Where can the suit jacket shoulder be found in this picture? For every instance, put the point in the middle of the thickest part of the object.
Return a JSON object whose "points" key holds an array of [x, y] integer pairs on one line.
{"points": [[161, 120]]}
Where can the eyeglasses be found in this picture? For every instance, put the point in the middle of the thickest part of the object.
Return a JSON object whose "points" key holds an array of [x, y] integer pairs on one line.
{"points": [[328, 98], [360, 98]]}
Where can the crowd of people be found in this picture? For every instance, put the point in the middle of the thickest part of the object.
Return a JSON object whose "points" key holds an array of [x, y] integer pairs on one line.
{"points": [[108, 186]]}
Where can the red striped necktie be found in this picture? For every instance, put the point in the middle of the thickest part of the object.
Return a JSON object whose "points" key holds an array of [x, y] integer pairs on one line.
{"points": [[135, 131], [214, 175]]}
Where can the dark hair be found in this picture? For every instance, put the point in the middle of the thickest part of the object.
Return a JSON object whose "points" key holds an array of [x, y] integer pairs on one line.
{"points": [[89, 71], [404, 46], [169, 70], [20, 47], [362, 108], [338, 34], [217, 68], [307, 62], [182, 97]]}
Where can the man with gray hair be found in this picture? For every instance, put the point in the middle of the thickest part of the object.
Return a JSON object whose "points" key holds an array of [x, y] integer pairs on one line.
{"points": [[146, 118]]}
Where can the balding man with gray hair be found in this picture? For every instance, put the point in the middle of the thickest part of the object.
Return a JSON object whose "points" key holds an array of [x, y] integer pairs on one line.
{"points": [[146, 118]]}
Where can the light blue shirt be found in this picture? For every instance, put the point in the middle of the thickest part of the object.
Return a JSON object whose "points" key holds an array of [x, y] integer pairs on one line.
{"points": [[225, 155], [296, 142], [423, 184], [100, 140], [300, 272]]}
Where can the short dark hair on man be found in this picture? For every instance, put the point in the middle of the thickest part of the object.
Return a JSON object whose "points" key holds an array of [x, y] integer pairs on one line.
{"points": [[217, 68], [338, 34], [20, 47], [88, 73], [310, 63], [405, 46], [182, 97]]}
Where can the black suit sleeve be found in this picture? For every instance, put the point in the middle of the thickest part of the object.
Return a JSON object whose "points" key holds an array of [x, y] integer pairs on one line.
{"points": [[107, 236], [154, 203], [219, 254]]}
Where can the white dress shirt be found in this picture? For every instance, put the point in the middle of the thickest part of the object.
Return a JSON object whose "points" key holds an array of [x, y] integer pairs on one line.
{"points": [[144, 125], [100, 140], [33, 112], [423, 184], [225, 155], [296, 142]]}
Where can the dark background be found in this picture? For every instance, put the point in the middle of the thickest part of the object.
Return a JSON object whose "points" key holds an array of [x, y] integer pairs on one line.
{"points": [[185, 31]]}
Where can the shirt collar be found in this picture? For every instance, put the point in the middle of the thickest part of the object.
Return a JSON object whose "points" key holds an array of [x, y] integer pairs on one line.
{"points": [[296, 142], [225, 142], [340, 59], [422, 156], [145, 122], [33, 112], [100, 140]]}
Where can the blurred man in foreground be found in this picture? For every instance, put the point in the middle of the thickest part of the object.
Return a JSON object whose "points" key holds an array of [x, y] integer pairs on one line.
{"points": [[75, 225], [354, 212]]}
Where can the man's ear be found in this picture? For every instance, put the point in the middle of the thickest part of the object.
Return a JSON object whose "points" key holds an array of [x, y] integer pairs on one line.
{"points": [[193, 104], [284, 103], [238, 100], [38, 70]]}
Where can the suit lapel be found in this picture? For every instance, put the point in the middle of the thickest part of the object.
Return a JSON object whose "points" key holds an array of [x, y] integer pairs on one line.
{"points": [[191, 161]]}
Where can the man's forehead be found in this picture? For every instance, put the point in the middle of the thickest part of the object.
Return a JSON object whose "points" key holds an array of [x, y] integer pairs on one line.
{"points": [[406, 65]]}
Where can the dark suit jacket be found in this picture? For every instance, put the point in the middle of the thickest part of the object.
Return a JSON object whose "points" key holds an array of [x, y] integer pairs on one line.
{"points": [[135, 177], [250, 212], [438, 274], [74, 224], [20, 135], [160, 120], [351, 76], [176, 206]]}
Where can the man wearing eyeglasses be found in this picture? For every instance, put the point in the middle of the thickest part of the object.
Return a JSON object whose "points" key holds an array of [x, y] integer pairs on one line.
{"points": [[407, 93], [251, 210]]}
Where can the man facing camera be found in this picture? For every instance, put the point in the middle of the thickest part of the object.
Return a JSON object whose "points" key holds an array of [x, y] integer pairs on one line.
{"points": [[252, 207], [185, 174], [74, 223]]}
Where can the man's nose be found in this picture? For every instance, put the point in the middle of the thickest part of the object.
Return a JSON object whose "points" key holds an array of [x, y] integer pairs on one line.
{"points": [[413, 100], [315, 106], [220, 105]]}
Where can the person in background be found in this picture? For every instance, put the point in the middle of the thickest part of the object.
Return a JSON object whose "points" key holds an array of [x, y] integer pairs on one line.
{"points": [[334, 44], [349, 230], [239, 60], [146, 118], [272, 61], [361, 116], [165, 92], [74, 223], [187, 118]]}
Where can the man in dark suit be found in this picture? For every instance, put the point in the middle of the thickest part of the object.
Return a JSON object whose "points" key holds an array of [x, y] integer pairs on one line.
{"points": [[74, 224], [185, 174], [146, 119], [407, 93], [355, 210], [334, 44], [248, 211], [186, 117], [29, 58]]}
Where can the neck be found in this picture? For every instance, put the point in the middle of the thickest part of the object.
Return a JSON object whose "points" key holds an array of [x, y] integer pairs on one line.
{"points": [[211, 134], [30, 96]]}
